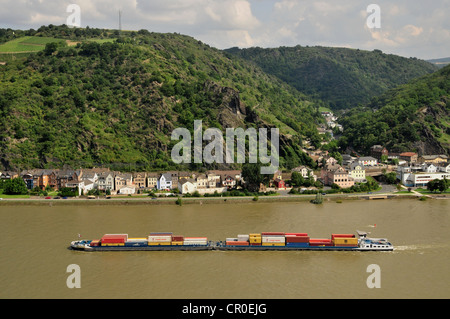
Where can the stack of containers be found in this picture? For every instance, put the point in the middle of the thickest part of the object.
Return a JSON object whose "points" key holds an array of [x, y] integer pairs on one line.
{"points": [[195, 241], [160, 239], [297, 240], [344, 240], [136, 242], [241, 240], [320, 242], [255, 239], [95, 243], [177, 240], [114, 239], [273, 239]]}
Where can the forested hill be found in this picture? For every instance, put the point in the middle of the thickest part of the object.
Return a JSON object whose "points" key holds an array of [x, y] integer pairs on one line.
{"points": [[97, 100], [343, 78], [412, 117]]}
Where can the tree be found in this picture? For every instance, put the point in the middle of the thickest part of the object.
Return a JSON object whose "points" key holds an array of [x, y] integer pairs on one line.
{"points": [[391, 178], [437, 185], [297, 179], [251, 173], [15, 186]]}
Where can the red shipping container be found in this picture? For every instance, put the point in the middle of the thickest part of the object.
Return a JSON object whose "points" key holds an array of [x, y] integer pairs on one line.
{"points": [[237, 243], [115, 239], [297, 239], [177, 238], [272, 234], [255, 244], [297, 234]]}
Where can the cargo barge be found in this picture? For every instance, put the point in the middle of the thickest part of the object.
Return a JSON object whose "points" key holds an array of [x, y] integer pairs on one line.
{"points": [[302, 241], [251, 242], [154, 242]]}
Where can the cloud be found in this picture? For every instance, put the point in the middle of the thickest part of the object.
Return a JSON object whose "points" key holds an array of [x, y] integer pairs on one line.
{"points": [[409, 28]]}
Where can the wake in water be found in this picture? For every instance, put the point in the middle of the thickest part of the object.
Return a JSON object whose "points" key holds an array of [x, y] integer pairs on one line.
{"points": [[419, 247]]}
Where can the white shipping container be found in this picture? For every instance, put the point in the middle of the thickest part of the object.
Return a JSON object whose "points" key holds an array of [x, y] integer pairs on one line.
{"points": [[193, 243], [136, 240], [273, 239], [243, 237], [159, 239]]}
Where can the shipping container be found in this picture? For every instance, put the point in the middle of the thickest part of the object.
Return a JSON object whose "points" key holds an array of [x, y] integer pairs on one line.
{"points": [[136, 239], [299, 245], [297, 234], [345, 241], [159, 239], [113, 244], [255, 235], [255, 240], [159, 244], [95, 243], [297, 239], [255, 244], [177, 238], [273, 244], [320, 242], [136, 243], [237, 243], [114, 239], [177, 243], [193, 241], [272, 234], [273, 239], [333, 236]]}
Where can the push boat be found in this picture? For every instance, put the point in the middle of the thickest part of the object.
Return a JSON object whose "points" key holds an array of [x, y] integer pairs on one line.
{"points": [[251, 242]]}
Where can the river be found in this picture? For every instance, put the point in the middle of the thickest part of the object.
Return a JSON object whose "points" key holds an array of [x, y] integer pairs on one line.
{"points": [[34, 251]]}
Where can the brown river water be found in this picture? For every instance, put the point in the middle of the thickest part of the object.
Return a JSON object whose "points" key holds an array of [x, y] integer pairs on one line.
{"points": [[34, 253]]}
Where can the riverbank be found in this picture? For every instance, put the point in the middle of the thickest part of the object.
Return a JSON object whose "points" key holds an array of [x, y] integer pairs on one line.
{"points": [[336, 198]]}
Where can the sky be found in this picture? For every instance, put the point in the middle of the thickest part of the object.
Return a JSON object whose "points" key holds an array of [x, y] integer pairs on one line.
{"points": [[408, 28]]}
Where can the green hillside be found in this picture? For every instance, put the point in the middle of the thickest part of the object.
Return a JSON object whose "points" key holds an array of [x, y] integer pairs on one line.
{"points": [[117, 103], [342, 78], [412, 117]]}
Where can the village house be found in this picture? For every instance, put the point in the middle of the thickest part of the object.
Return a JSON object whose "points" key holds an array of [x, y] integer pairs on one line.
{"points": [[140, 180], [367, 161], [174, 176], [89, 176], [127, 190], [187, 186], [377, 151], [228, 181], [152, 180], [434, 159], [410, 157], [202, 181], [165, 182], [106, 181], [357, 172], [306, 172], [340, 177], [419, 176], [213, 180], [122, 180]]}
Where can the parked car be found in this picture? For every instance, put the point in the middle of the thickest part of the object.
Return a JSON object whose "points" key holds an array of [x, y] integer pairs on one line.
{"points": [[48, 197]]}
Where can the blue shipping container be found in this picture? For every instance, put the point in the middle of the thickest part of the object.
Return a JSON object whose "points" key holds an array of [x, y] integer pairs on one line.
{"points": [[299, 245]]}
